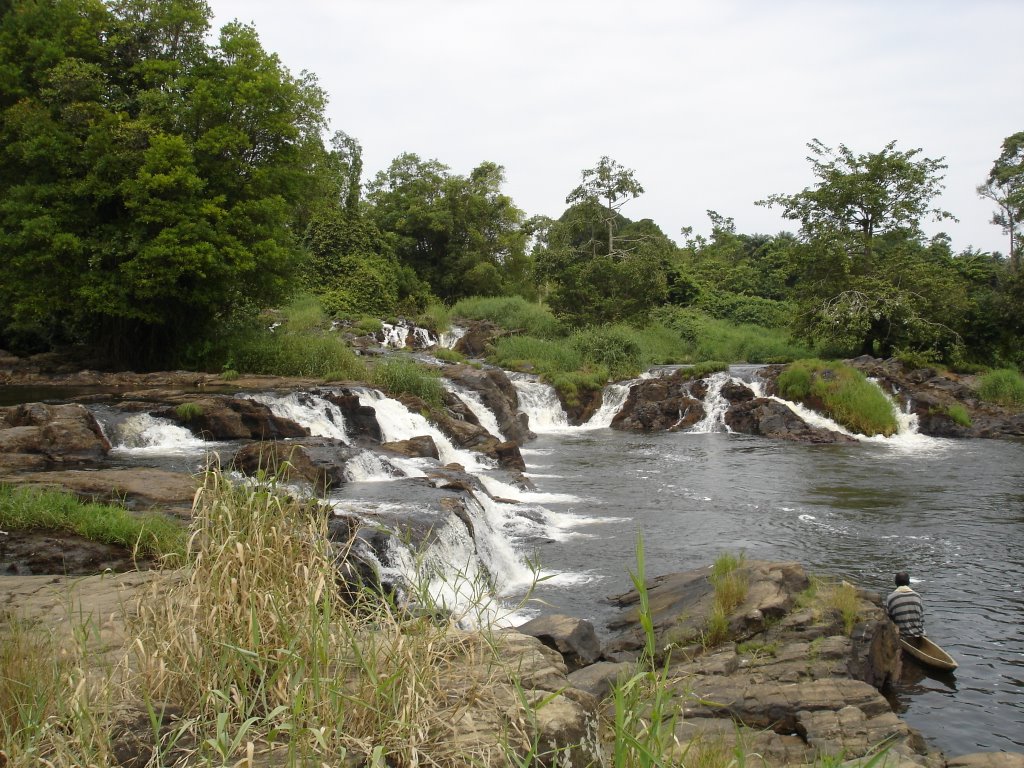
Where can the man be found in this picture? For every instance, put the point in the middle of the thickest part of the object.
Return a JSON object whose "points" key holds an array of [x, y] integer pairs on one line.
{"points": [[905, 607]]}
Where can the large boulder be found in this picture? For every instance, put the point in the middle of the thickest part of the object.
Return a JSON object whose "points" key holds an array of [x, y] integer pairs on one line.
{"points": [[319, 461], [574, 638], [770, 418], [497, 392], [658, 404], [50, 435], [232, 418]]}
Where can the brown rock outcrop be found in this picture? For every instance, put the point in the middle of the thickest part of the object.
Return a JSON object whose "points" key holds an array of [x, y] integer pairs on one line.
{"points": [[51, 435], [662, 403]]}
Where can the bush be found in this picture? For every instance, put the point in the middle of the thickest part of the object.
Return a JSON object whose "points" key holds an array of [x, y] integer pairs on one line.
{"points": [[844, 393], [1004, 386], [742, 309], [303, 314], [544, 356], [511, 312], [287, 354], [449, 355], [615, 347], [707, 338], [404, 376], [436, 317]]}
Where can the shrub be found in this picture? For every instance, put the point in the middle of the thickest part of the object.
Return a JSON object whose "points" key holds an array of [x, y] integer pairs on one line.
{"points": [[510, 312], [304, 313], [287, 354], [615, 347], [742, 309], [844, 392], [571, 385], [449, 355], [545, 356], [401, 375], [1004, 386], [436, 317]]}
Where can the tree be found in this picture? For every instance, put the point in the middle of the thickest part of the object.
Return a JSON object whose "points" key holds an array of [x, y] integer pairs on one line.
{"points": [[1005, 187], [460, 234], [611, 186], [152, 179], [868, 282], [864, 196]]}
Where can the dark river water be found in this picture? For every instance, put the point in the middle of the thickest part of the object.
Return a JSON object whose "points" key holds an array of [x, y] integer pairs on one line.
{"points": [[949, 512]]}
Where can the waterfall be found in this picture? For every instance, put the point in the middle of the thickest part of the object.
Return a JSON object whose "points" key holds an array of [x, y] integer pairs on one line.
{"points": [[142, 433], [715, 406], [612, 399], [399, 423], [483, 414], [321, 417], [369, 467], [451, 337], [396, 335], [539, 401]]}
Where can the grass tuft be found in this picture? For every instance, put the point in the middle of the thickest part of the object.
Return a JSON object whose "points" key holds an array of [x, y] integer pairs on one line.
{"points": [[843, 392], [27, 508], [400, 375], [1004, 386]]}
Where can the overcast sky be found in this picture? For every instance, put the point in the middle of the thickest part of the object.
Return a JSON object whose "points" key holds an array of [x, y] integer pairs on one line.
{"points": [[711, 103]]}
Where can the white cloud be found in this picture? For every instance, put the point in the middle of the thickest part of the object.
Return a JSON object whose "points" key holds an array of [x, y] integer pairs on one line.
{"points": [[711, 103]]}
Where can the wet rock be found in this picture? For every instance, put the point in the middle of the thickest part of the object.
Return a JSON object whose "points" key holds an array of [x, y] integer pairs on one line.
{"points": [[663, 403], [770, 418], [36, 553], [498, 394], [360, 420], [320, 461], [232, 418], [574, 638], [419, 446], [58, 434]]}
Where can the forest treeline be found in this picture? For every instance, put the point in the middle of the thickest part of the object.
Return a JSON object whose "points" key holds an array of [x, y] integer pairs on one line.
{"points": [[159, 184]]}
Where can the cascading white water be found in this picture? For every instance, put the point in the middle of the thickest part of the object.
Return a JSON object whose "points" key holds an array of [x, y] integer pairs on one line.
{"points": [[399, 423], [539, 401], [451, 337], [369, 467], [483, 414], [715, 406], [142, 433], [397, 335], [321, 417], [612, 399]]}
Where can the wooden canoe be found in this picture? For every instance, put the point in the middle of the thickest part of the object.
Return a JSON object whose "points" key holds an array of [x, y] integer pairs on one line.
{"points": [[927, 652]]}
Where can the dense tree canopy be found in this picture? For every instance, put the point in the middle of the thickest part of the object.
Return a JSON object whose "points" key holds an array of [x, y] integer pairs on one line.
{"points": [[1005, 187], [150, 182]]}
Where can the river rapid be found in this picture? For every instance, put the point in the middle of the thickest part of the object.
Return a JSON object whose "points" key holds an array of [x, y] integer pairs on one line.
{"points": [[950, 512]]}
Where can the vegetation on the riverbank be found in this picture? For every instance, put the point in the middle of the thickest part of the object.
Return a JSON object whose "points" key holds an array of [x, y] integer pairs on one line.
{"points": [[403, 376], [1004, 386], [843, 393], [151, 536], [730, 583]]}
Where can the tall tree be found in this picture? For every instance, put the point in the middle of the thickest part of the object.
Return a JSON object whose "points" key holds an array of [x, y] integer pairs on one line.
{"points": [[868, 281], [864, 195], [611, 185], [152, 178], [1005, 187]]}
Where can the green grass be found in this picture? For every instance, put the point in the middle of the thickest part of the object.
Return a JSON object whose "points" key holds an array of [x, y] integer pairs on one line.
{"points": [[27, 508], [703, 337], [303, 314], [841, 600], [1004, 386], [731, 583], [449, 355], [188, 411], [616, 348], [511, 312], [843, 392], [436, 317], [958, 413], [401, 375], [281, 353], [543, 356]]}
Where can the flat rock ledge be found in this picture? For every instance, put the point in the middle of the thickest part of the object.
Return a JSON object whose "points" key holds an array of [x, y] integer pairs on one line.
{"points": [[788, 687]]}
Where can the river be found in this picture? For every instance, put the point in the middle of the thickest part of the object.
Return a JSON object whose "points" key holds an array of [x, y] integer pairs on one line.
{"points": [[950, 512]]}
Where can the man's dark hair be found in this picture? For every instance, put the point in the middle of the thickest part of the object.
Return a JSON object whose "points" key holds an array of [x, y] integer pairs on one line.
{"points": [[902, 579]]}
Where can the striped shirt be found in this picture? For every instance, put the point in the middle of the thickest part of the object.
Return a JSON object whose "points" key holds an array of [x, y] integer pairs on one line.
{"points": [[906, 609]]}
